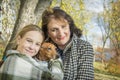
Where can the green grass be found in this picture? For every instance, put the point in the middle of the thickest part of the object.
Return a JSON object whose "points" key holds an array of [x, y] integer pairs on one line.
{"points": [[102, 74]]}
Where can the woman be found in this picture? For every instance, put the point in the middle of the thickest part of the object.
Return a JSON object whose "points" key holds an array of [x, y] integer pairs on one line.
{"points": [[20, 63], [77, 54]]}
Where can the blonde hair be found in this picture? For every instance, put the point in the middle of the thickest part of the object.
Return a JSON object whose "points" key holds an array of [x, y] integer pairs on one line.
{"points": [[24, 30]]}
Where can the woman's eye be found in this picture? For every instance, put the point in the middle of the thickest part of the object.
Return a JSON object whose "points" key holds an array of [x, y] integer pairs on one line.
{"points": [[53, 30], [64, 26]]}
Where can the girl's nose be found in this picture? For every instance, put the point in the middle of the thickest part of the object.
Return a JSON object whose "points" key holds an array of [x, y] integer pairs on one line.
{"points": [[32, 46]]}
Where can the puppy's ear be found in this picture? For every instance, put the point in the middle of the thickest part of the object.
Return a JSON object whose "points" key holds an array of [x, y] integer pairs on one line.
{"points": [[38, 55]]}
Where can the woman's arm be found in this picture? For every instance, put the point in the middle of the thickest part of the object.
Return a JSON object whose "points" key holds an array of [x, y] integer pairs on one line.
{"points": [[85, 61], [56, 68]]}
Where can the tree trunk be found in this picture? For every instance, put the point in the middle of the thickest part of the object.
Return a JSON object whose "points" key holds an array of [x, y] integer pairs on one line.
{"points": [[29, 13]]}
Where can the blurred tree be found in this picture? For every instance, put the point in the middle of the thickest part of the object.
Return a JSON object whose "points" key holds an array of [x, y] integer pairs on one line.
{"points": [[9, 15], [115, 27], [111, 30], [108, 22]]}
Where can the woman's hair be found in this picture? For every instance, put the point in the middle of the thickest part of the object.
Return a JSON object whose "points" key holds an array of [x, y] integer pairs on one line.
{"points": [[58, 14], [24, 30]]}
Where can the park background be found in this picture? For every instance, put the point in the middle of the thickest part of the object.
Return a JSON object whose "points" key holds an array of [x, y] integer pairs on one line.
{"points": [[98, 19]]}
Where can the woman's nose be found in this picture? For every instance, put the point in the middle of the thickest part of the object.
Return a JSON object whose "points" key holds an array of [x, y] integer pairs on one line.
{"points": [[60, 32]]}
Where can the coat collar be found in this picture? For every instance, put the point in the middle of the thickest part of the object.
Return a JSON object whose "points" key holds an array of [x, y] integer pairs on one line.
{"points": [[73, 38]]}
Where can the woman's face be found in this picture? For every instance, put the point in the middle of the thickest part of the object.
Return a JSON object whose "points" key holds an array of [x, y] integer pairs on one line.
{"points": [[30, 43], [59, 32]]}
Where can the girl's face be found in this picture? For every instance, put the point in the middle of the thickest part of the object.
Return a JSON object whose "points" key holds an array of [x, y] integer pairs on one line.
{"points": [[59, 32], [30, 43]]}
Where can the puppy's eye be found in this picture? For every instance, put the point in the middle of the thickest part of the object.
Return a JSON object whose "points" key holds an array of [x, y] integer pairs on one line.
{"points": [[48, 48], [41, 47]]}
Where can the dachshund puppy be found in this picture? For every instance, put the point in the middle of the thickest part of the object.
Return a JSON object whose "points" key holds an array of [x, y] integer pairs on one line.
{"points": [[47, 52]]}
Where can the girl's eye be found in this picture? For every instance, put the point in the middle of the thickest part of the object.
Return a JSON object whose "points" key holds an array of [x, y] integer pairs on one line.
{"points": [[38, 44], [29, 40]]}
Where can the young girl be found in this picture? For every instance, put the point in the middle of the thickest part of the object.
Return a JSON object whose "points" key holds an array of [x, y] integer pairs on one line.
{"points": [[20, 63]]}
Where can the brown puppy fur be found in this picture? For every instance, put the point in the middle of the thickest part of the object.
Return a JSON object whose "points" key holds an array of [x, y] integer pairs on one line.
{"points": [[47, 51]]}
